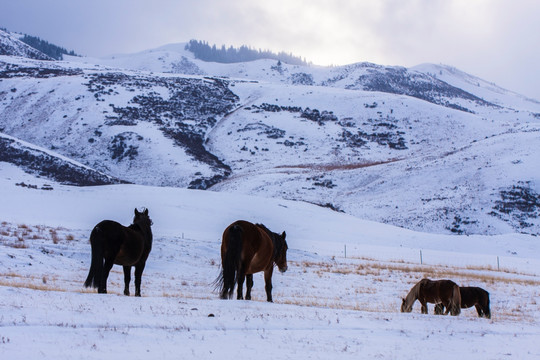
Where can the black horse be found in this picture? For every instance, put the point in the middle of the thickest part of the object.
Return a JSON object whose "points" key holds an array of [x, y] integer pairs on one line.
{"points": [[117, 244], [471, 296]]}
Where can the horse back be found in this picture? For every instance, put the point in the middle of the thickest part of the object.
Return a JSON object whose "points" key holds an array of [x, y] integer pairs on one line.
{"points": [[122, 243], [435, 291], [471, 295], [257, 247]]}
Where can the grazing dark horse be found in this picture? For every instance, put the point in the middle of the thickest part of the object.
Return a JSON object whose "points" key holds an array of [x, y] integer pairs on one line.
{"points": [[246, 249], [113, 243], [444, 292], [471, 296]]}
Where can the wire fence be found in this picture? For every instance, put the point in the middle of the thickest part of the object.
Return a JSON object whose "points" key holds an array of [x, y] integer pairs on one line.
{"points": [[512, 262]]}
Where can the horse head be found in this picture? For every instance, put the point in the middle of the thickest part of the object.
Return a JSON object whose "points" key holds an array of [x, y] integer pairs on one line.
{"points": [[281, 256], [142, 220], [405, 307]]}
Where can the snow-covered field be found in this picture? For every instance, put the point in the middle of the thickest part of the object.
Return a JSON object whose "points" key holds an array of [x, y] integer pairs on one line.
{"points": [[339, 299]]}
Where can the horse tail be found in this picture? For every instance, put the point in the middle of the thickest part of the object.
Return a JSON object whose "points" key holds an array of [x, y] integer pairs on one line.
{"points": [[96, 265], [487, 311], [455, 302], [231, 262]]}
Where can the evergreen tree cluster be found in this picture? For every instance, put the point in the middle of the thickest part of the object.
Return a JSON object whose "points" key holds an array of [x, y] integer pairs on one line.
{"points": [[205, 52], [45, 47]]}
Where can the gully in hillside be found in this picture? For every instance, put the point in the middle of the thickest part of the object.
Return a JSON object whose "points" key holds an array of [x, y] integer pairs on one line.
{"points": [[113, 243], [246, 249]]}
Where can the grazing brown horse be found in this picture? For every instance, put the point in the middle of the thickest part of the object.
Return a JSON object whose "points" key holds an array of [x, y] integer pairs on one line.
{"points": [[121, 245], [471, 296], [246, 249], [444, 292]]}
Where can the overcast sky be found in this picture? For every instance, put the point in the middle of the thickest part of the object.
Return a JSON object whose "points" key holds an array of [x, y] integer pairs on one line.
{"points": [[497, 40]]}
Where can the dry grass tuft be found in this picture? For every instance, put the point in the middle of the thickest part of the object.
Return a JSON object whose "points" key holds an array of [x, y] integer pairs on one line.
{"points": [[17, 245], [15, 236], [29, 284], [54, 236]]}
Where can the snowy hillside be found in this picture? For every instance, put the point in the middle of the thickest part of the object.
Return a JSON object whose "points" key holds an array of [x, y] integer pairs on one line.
{"points": [[428, 148], [481, 88], [48, 165], [134, 126], [12, 46]]}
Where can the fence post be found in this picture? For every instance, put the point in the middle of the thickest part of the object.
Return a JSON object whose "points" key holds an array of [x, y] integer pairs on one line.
{"points": [[345, 251], [498, 265], [421, 259]]}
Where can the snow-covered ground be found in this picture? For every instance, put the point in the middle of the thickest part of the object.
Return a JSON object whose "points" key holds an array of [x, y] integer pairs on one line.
{"points": [[339, 298]]}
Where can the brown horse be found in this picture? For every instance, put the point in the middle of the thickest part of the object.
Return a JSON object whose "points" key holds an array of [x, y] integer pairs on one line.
{"points": [[444, 292], [117, 244], [471, 296], [246, 249]]}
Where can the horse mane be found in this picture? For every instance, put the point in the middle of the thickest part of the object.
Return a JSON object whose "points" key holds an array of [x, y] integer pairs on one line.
{"points": [[278, 246], [143, 228], [412, 296], [413, 293], [262, 226]]}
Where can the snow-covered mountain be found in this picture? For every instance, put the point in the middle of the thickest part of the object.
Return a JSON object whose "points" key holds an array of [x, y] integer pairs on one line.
{"points": [[49, 165], [10, 45], [428, 148]]}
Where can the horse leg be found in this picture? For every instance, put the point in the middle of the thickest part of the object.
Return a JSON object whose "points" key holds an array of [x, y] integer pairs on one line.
{"points": [[485, 311], [479, 310], [241, 278], [439, 309], [424, 307], [448, 307], [107, 266], [127, 279], [249, 285], [138, 275], [268, 283]]}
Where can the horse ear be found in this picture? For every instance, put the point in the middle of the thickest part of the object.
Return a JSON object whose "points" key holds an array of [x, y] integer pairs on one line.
{"points": [[283, 235], [136, 212], [146, 212]]}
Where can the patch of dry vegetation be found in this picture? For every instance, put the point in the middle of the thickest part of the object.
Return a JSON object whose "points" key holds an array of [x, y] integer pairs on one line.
{"points": [[366, 285], [34, 282], [18, 236], [377, 269], [337, 166]]}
